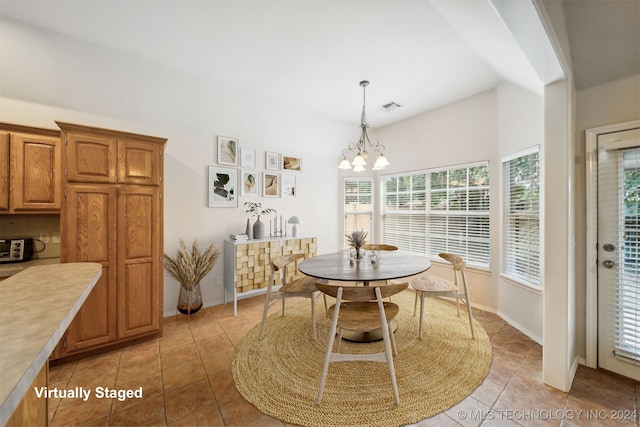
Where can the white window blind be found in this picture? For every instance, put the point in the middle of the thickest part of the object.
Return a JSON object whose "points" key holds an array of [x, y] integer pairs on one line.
{"points": [[628, 275], [521, 217], [358, 205], [434, 211]]}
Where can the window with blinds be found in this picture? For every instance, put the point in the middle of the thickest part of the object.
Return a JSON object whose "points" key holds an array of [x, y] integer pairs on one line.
{"points": [[628, 280], [358, 206], [521, 217], [434, 211]]}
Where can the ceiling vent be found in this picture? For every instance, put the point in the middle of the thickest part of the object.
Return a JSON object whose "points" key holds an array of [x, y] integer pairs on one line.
{"points": [[390, 106]]}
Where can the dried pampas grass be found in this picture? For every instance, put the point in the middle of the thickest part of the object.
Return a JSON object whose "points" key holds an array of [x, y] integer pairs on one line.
{"points": [[190, 267]]}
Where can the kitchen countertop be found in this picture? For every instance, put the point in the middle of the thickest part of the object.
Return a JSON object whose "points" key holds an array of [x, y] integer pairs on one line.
{"points": [[36, 307], [11, 268]]}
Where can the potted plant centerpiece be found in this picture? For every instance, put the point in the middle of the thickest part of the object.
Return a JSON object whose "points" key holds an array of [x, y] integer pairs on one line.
{"points": [[189, 267], [356, 240], [256, 209]]}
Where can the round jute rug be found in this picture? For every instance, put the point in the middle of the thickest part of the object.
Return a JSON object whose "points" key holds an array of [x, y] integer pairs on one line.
{"points": [[280, 374]]}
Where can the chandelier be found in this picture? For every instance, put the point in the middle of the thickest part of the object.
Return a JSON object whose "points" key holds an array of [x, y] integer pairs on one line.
{"points": [[360, 148]]}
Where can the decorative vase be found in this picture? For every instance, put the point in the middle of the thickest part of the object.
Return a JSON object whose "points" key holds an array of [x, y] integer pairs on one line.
{"points": [[258, 229], [189, 299], [249, 231], [358, 253]]}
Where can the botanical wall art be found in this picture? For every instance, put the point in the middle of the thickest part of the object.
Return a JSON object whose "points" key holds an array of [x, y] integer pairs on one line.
{"points": [[223, 187], [288, 185], [250, 183], [291, 163], [270, 184], [271, 161], [228, 150], [248, 158]]}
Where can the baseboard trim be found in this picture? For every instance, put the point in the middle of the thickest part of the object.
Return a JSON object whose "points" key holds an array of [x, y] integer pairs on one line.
{"points": [[521, 328]]}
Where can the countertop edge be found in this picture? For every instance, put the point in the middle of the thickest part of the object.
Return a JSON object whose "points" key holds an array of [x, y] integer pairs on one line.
{"points": [[15, 396]]}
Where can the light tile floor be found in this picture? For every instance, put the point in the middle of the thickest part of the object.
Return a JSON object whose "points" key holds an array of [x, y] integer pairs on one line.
{"points": [[186, 378]]}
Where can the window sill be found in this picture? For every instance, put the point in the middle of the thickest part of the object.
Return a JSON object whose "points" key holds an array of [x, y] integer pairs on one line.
{"points": [[522, 284]]}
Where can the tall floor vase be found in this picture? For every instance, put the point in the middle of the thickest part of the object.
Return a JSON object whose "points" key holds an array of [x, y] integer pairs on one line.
{"points": [[190, 299]]}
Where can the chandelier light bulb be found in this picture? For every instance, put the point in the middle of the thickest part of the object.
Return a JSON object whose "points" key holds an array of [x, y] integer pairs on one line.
{"points": [[359, 160], [344, 164]]}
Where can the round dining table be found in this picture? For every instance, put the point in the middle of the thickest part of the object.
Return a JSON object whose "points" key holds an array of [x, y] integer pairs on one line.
{"points": [[386, 265]]}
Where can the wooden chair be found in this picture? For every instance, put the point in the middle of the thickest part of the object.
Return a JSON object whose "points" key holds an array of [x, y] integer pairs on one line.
{"points": [[379, 247], [304, 287], [359, 313], [428, 286]]}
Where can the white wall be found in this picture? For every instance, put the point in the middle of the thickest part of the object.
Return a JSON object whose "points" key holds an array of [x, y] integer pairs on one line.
{"points": [[47, 77], [521, 126], [482, 127]]}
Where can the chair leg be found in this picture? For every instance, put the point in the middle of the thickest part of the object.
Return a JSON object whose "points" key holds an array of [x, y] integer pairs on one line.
{"points": [[387, 348], [326, 307], [415, 304], [283, 307], [313, 316], [421, 315], [329, 350], [340, 330], [393, 341], [264, 314], [473, 330]]}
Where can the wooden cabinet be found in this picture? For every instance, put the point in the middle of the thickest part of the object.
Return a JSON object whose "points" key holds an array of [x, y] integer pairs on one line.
{"points": [[139, 261], [4, 171], [112, 214], [33, 410], [30, 169], [88, 227], [246, 264]]}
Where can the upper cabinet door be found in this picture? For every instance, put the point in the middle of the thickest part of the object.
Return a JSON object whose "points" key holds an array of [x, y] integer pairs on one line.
{"points": [[4, 171], [35, 172], [139, 162], [89, 158]]}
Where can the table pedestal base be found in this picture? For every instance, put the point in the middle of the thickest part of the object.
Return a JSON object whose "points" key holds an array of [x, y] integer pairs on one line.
{"points": [[371, 336]]}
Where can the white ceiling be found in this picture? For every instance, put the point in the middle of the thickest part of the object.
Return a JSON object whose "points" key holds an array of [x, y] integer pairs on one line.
{"points": [[305, 53]]}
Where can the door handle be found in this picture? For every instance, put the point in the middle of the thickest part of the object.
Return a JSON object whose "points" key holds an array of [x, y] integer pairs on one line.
{"points": [[608, 264]]}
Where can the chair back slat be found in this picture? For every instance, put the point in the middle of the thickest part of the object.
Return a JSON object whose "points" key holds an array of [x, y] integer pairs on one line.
{"points": [[379, 247], [455, 260], [284, 260], [361, 293]]}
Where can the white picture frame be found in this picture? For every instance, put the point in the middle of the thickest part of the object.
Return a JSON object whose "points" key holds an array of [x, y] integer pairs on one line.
{"points": [[228, 151], [223, 187], [288, 188], [291, 163], [249, 183], [248, 158], [270, 184], [272, 161]]}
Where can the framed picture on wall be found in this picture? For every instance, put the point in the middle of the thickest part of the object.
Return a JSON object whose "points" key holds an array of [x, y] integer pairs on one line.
{"points": [[228, 150], [250, 183], [290, 163], [271, 161], [223, 187], [288, 185], [270, 184], [247, 158]]}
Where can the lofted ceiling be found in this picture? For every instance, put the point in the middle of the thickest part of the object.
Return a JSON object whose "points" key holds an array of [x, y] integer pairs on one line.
{"points": [[309, 54]]}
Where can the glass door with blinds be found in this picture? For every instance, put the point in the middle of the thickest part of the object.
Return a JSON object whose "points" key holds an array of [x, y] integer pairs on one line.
{"points": [[619, 252], [358, 206]]}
